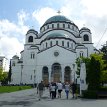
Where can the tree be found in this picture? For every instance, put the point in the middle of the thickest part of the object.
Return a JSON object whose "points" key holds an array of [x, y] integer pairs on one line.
{"points": [[1, 74], [9, 73], [4, 78], [78, 62], [93, 75]]}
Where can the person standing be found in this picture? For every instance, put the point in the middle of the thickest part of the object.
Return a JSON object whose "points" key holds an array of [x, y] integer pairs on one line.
{"points": [[50, 89], [67, 89], [53, 86], [74, 88], [40, 89], [60, 87]]}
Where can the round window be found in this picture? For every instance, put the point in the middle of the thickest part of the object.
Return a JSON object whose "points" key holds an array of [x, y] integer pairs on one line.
{"points": [[56, 54]]}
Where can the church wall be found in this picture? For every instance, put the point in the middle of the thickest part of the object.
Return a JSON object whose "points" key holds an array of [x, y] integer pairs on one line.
{"points": [[90, 49], [84, 51], [61, 59], [16, 74], [35, 59]]}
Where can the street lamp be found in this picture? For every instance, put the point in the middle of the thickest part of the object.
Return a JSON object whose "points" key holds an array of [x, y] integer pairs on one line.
{"points": [[74, 72], [34, 78], [21, 75]]}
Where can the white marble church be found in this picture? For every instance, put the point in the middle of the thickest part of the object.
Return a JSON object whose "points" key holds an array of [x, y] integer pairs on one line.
{"points": [[51, 54]]}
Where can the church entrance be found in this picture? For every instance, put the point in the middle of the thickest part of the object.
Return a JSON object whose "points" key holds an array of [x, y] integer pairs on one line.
{"points": [[56, 72], [45, 75], [67, 74]]}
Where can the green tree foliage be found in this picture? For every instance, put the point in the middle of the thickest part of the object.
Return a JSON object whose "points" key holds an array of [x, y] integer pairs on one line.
{"points": [[4, 78], [78, 62], [104, 71], [103, 66], [93, 75], [1, 74], [9, 74]]}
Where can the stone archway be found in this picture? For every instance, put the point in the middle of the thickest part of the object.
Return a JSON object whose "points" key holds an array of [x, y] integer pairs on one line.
{"points": [[45, 75], [56, 72], [67, 74]]}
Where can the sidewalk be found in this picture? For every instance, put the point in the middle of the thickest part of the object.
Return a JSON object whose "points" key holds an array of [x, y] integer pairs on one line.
{"points": [[29, 98]]}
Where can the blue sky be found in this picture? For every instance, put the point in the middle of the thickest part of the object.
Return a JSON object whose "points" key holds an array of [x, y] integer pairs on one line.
{"points": [[17, 16]]}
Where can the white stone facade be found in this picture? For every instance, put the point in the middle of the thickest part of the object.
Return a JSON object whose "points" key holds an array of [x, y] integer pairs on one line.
{"points": [[51, 54], [3, 63]]}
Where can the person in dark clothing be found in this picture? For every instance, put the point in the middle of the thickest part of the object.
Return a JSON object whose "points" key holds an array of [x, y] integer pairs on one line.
{"points": [[40, 89], [74, 88]]}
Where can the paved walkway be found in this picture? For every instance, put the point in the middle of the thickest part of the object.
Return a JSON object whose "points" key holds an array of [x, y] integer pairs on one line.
{"points": [[29, 98]]}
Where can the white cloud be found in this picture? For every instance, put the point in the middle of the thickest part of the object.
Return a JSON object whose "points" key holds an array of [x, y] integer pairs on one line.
{"points": [[12, 35], [22, 17], [95, 7], [41, 15]]}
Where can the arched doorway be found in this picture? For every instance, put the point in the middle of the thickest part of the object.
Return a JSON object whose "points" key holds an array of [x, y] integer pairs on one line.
{"points": [[56, 72], [67, 74], [45, 75]]}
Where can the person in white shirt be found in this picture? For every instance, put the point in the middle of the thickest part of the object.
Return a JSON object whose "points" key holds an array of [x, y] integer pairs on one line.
{"points": [[67, 89], [60, 87]]}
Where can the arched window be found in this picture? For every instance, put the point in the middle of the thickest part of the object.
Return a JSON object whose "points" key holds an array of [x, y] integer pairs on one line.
{"points": [[72, 27], [62, 43], [56, 42], [68, 26], [48, 27], [13, 63], [67, 74], [86, 37], [58, 25], [63, 25], [68, 44], [51, 43], [45, 75], [46, 44], [52, 25], [72, 45], [30, 39]]}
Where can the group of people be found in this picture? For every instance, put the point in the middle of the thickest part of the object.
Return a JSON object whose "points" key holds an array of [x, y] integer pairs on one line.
{"points": [[55, 89]]}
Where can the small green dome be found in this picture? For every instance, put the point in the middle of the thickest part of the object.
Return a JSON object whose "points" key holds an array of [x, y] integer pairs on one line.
{"points": [[57, 35], [58, 18]]}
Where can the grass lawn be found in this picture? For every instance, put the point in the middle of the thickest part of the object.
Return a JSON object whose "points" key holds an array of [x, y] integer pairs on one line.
{"points": [[7, 89]]}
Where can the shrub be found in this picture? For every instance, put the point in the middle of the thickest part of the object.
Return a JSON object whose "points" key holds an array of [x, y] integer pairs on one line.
{"points": [[103, 88], [90, 94]]}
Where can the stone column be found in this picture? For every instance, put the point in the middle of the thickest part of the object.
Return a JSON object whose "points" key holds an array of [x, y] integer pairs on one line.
{"points": [[62, 73], [73, 72], [49, 71]]}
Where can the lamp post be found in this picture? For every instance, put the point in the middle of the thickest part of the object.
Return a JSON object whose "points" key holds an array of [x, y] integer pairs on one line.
{"points": [[34, 78], [74, 71], [21, 75]]}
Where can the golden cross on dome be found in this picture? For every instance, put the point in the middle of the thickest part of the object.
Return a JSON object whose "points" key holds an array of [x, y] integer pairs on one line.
{"points": [[59, 12]]}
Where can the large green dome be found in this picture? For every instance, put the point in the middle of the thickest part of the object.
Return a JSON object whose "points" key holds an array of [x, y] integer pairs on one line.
{"points": [[56, 35], [58, 18]]}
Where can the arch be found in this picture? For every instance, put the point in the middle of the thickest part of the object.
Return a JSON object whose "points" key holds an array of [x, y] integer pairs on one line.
{"points": [[56, 72], [30, 39], [67, 74], [86, 37], [45, 75]]}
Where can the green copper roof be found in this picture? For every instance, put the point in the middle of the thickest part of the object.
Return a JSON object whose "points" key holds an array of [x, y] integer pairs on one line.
{"points": [[57, 35], [58, 18]]}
